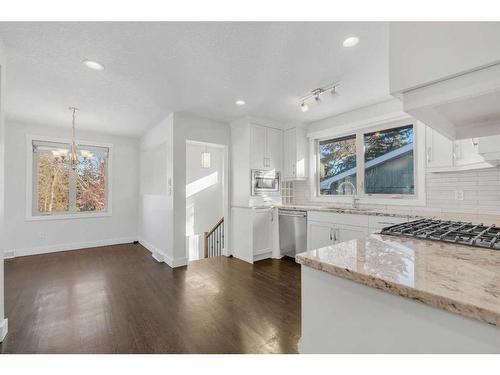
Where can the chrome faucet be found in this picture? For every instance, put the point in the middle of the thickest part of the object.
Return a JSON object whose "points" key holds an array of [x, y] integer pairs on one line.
{"points": [[355, 198]]}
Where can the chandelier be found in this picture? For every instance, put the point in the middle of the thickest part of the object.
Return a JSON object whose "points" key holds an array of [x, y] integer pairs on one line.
{"points": [[73, 157]]}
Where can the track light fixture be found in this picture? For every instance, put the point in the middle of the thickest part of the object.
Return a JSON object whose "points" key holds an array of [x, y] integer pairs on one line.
{"points": [[316, 94]]}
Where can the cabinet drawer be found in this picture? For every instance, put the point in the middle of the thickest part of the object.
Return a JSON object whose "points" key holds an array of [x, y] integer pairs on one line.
{"points": [[337, 218], [378, 222]]}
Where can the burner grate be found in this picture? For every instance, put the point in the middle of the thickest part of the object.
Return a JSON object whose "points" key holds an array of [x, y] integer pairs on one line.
{"points": [[449, 231]]}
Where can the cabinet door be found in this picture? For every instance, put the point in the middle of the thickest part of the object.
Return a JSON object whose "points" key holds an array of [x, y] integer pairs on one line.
{"points": [[319, 235], [289, 148], [262, 224], [466, 152], [347, 233], [258, 147], [274, 148], [439, 149]]}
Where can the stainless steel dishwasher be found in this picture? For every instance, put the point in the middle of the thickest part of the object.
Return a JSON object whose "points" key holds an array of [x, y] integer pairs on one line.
{"points": [[293, 232]]}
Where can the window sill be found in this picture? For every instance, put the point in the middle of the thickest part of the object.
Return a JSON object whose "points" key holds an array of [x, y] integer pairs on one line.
{"points": [[367, 200], [68, 216]]}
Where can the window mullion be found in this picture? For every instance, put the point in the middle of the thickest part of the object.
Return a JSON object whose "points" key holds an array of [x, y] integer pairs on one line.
{"points": [[360, 164]]}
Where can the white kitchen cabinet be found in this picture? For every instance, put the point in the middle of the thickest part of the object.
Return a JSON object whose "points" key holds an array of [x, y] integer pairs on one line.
{"points": [[254, 232], [445, 155], [266, 147], [258, 147], [328, 228], [255, 144], [320, 235], [350, 232], [489, 148], [262, 224], [424, 52], [274, 148], [439, 149], [295, 153]]}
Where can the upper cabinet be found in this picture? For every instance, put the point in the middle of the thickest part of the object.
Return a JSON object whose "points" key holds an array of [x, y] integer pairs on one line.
{"points": [[448, 75], [255, 144], [445, 155], [295, 153], [266, 147]]}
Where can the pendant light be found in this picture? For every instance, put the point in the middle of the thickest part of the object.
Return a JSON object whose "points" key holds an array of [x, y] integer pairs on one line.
{"points": [[73, 157], [206, 159]]}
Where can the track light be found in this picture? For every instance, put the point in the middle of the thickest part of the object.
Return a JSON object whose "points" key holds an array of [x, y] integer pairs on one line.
{"points": [[316, 94]]}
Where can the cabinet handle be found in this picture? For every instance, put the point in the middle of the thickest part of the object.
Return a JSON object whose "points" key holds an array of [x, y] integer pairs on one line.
{"points": [[429, 154], [335, 235], [331, 238]]}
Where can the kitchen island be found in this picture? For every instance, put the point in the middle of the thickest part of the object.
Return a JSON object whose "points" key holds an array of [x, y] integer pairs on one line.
{"points": [[386, 294]]}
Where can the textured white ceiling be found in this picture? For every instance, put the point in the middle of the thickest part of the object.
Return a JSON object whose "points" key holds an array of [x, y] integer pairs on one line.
{"points": [[153, 69]]}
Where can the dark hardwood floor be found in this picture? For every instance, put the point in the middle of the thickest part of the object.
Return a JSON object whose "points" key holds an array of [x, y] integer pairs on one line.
{"points": [[118, 299]]}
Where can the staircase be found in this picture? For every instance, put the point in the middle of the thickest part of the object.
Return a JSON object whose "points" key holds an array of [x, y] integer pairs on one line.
{"points": [[214, 240]]}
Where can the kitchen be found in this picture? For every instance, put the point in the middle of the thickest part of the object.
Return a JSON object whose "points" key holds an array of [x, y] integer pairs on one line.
{"points": [[300, 200], [433, 174]]}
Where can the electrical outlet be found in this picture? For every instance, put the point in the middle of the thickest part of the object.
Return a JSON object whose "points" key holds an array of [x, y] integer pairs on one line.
{"points": [[459, 195]]}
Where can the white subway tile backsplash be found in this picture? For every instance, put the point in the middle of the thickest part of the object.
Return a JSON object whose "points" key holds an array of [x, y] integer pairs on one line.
{"points": [[481, 190]]}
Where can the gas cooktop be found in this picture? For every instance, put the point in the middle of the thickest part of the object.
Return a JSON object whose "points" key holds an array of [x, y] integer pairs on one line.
{"points": [[457, 232]]}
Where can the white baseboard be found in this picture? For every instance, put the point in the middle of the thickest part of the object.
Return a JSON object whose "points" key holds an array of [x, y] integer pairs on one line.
{"points": [[176, 262], [66, 247], [4, 328], [161, 256]]}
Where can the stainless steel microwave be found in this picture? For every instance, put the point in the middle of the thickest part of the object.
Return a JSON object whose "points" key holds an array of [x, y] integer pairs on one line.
{"points": [[265, 182]]}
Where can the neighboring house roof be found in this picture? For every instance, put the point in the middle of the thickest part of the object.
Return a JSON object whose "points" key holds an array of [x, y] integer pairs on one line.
{"points": [[325, 184]]}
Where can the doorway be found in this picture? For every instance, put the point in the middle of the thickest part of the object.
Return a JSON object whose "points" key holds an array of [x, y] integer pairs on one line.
{"points": [[206, 200]]}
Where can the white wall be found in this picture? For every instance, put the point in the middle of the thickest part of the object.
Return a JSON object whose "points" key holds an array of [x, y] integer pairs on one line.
{"points": [[156, 198], [30, 237], [190, 127], [162, 216], [204, 207], [2, 232]]}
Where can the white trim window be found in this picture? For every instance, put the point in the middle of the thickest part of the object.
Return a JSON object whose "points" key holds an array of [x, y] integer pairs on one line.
{"points": [[55, 190], [379, 164]]}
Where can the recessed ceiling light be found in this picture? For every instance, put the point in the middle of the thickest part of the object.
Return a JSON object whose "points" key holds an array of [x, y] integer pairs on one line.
{"points": [[304, 107], [240, 102], [93, 65], [351, 41]]}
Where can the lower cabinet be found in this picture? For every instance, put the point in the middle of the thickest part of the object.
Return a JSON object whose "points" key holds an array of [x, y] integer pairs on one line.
{"points": [[262, 231], [326, 229], [347, 233], [324, 234], [319, 235], [254, 232]]}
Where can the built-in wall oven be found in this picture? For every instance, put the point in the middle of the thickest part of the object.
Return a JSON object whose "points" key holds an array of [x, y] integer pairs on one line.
{"points": [[265, 182]]}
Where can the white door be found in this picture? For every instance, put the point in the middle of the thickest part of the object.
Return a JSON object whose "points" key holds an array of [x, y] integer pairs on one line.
{"points": [[262, 224], [274, 149], [319, 235], [439, 149], [258, 147]]}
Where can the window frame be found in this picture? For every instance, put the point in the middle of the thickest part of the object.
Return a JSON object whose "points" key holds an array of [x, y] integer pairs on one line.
{"points": [[416, 199], [31, 187]]}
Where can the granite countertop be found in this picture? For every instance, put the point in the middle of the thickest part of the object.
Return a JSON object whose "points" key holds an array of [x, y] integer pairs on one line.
{"points": [[349, 210], [405, 212], [460, 279]]}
